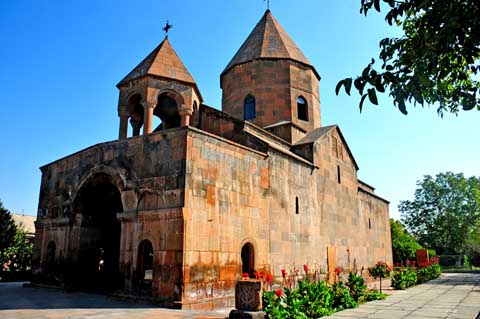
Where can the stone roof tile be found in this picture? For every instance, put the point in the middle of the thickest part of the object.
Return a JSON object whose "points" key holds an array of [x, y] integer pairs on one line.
{"points": [[163, 62], [268, 40]]}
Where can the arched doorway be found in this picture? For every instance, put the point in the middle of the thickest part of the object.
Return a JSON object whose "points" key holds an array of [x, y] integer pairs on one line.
{"points": [[145, 263], [167, 111], [248, 259], [98, 202]]}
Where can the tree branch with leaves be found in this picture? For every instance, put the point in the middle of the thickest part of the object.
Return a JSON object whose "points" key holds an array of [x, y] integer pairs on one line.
{"points": [[435, 62]]}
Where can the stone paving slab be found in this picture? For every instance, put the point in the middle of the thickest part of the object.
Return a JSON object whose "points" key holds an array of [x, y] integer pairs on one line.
{"points": [[17, 302], [451, 296]]}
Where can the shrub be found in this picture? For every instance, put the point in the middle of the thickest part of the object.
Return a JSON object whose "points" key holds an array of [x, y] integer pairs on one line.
{"points": [[403, 278], [356, 285], [316, 299], [372, 295], [380, 270], [429, 272], [309, 300], [342, 299]]}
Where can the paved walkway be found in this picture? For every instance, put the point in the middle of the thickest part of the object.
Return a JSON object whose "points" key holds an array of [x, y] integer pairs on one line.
{"points": [[29, 303], [451, 296]]}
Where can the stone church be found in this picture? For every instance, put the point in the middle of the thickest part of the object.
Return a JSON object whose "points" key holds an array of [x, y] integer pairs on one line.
{"points": [[178, 212]]}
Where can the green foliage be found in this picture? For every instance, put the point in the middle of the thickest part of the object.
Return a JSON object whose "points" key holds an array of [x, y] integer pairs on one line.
{"points": [[380, 270], [356, 285], [15, 250], [430, 272], [403, 278], [372, 295], [406, 277], [404, 245], [309, 300], [18, 256], [7, 228], [342, 299], [445, 213], [317, 299], [435, 61]]}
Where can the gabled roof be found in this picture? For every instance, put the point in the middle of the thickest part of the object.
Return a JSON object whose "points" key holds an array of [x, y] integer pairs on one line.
{"points": [[268, 40], [318, 133], [314, 135], [163, 62]]}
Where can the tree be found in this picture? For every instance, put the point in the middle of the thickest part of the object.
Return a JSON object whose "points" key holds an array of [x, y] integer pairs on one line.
{"points": [[15, 249], [444, 214], [404, 246], [436, 61], [7, 228]]}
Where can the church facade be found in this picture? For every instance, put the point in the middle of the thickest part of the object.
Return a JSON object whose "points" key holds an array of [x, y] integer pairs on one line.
{"points": [[178, 212]]}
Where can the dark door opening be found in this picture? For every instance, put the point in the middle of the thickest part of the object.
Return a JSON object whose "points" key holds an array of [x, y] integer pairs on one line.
{"points": [[248, 259], [98, 202]]}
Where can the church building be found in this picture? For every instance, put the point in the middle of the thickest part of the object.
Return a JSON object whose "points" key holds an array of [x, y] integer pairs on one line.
{"points": [[178, 212]]}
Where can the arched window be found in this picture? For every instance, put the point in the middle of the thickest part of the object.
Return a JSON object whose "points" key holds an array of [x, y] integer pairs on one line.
{"points": [[302, 109], [50, 257], [249, 108], [248, 259], [145, 260], [166, 112]]}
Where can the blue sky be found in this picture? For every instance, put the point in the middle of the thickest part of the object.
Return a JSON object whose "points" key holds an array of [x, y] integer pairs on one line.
{"points": [[60, 61]]}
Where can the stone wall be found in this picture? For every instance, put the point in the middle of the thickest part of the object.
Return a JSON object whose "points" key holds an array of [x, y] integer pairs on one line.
{"points": [[226, 205], [148, 172], [275, 84]]}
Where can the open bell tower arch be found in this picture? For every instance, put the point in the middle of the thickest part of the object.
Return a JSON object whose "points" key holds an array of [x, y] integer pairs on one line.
{"points": [[159, 86]]}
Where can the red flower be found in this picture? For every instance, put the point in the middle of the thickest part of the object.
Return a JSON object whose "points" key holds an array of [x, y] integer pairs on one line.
{"points": [[338, 270], [279, 293], [269, 278], [284, 273], [436, 260], [305, 268], [413, 263]]}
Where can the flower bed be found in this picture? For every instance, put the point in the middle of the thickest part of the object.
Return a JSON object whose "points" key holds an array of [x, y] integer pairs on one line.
{"points": [[313, 297], [409, 275]]}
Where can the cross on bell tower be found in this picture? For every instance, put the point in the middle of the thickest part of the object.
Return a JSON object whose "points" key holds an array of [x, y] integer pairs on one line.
{"points": [[166, 28]]}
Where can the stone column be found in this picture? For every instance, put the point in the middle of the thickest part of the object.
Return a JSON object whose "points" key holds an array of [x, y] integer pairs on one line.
{"points": [[122, 132], [185, 113], [136, 125], [148, 117]]}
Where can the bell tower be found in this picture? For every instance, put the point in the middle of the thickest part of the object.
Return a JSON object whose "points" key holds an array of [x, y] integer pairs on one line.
{"points": [[159, 86], [271, 83]]}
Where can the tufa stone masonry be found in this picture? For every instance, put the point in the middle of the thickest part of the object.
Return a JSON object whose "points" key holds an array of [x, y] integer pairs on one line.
{"points": [[176, 213]]}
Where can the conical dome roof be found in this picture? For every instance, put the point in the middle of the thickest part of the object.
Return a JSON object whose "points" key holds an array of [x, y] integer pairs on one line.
{"points": [[163, 62], [268, 40]]}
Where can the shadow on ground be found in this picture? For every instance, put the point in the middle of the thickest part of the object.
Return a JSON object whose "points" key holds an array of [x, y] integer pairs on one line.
{"points": [[15, 296]]}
